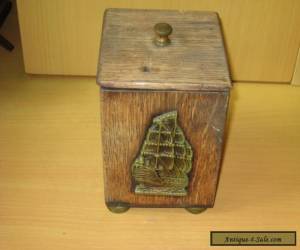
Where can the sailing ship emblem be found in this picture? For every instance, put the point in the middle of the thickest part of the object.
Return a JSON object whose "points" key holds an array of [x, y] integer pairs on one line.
{"points": [[164, 160]]}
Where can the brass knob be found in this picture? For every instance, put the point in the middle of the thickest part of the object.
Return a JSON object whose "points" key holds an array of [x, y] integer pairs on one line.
{"points": [[162, 31]]}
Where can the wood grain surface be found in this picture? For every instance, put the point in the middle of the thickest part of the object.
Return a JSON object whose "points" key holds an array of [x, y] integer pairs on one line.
{"points": [[62, 36], [195, 59], [296, 75], [51, 178], [126, 116]]}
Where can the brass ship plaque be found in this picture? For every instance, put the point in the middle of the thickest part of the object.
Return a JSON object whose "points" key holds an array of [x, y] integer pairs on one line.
{"points": [[164, 160]]}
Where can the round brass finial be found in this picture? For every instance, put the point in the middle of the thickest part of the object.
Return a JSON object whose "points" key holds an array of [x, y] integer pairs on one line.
{"points": [[162, 31]]}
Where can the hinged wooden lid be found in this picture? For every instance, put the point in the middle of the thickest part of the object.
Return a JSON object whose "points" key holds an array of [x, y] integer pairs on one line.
{"points": [[195, 58]]}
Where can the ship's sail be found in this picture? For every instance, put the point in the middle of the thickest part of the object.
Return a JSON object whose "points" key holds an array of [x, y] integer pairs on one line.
{"points": [[164, 160]]}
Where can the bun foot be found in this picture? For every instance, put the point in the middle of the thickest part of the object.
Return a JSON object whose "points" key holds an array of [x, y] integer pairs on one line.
{"points": [[118, 208], [195, 210]]}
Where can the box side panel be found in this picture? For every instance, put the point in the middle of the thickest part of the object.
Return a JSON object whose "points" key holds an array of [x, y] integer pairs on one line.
{"points": [[126, 116]]}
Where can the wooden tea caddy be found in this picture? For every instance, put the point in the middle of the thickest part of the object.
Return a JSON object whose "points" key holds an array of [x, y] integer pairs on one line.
{"points": [[164, 92]]}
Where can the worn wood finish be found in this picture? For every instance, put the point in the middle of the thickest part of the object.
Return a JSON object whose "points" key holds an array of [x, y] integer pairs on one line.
{"points": [[126, 117], [195, 59], [140, 81]]}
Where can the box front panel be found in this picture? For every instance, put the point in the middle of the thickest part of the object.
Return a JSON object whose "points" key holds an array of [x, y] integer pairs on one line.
{"points": [[127, 118]]}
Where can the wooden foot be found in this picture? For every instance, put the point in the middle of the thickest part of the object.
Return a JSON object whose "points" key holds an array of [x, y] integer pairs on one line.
{"points": [[195, 210], [117, 208]]}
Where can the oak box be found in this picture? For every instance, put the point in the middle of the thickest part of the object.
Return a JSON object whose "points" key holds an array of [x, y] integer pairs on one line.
{"points": [[165, 85]]}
